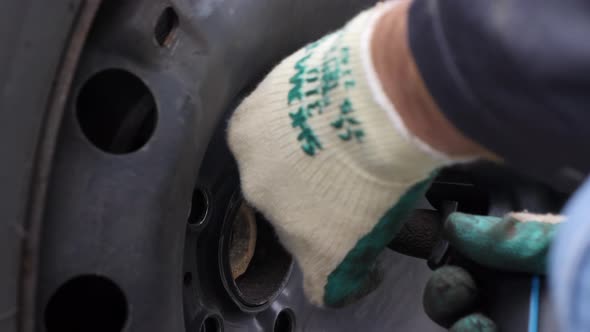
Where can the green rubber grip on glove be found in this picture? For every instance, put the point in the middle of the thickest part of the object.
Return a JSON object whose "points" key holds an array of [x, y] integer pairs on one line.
{"points": [[502, 243]]}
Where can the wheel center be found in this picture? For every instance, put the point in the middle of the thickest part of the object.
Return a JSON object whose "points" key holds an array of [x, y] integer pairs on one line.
{"points": [[242, 241], [254, 264]]}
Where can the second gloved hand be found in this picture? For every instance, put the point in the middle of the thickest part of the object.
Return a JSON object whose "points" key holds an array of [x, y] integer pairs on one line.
{"points": [[324, 156], [517, 242]]}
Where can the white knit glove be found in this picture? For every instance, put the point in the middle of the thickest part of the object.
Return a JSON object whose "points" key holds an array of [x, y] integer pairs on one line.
{"points": [[324, 156]]}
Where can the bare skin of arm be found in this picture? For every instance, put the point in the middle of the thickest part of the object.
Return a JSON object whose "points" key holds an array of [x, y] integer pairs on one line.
{"points": [[404, 86]]}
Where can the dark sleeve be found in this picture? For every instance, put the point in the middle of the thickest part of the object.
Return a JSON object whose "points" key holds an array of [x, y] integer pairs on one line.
{"points": [[513, 75]]}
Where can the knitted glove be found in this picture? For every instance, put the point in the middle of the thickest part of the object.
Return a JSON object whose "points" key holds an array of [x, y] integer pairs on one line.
{"points": [[324, 156]]}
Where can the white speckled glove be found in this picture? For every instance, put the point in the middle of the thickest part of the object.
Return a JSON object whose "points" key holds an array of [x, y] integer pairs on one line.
{"points": [[324, 156]]}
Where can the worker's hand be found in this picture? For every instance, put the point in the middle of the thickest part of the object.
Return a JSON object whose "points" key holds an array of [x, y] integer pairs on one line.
{"points": [[518, 242], [324, 156], [451, 299]]}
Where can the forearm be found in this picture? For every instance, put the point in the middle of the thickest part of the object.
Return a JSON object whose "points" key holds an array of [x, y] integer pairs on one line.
{"points": [[405, 88], [509, 75]]}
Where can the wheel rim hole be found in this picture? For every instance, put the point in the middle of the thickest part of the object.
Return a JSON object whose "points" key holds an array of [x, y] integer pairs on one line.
{"points": [[87, 303], [187, 279], [211, 324], [166, 26], [116, 111], [285, 321], [199, 207]]}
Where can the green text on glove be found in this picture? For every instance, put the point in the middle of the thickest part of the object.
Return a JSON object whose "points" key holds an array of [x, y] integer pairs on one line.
{"points": [[310, 90]]}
